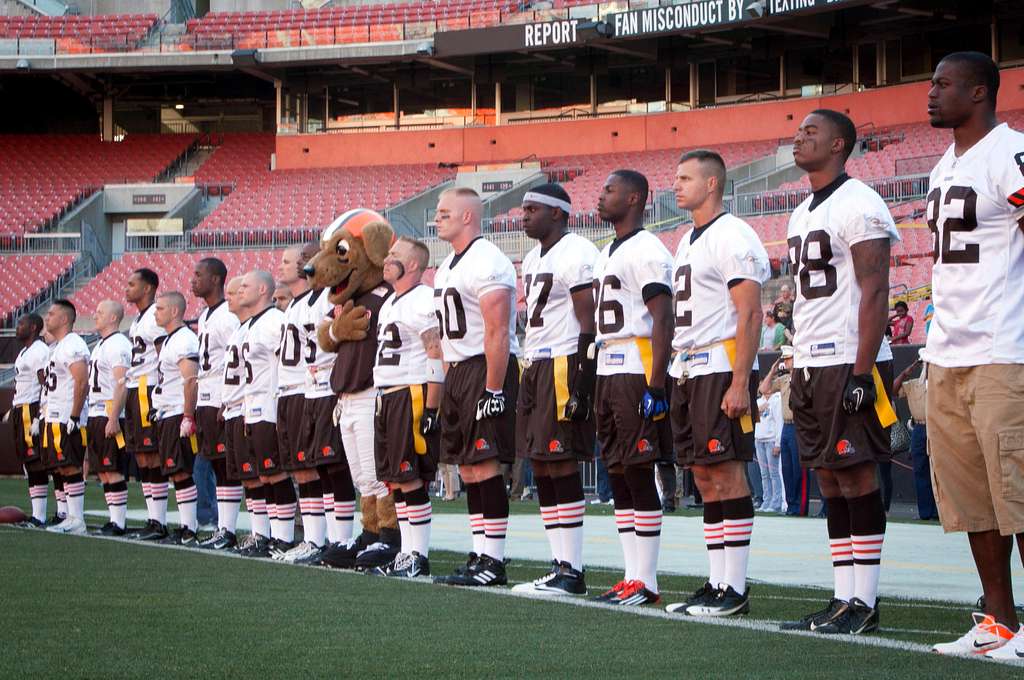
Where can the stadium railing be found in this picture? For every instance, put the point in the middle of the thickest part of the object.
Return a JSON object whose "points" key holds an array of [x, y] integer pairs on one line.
{"points": [[917, 164], [893, 190]]}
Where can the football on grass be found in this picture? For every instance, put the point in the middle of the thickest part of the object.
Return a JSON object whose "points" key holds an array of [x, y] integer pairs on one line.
{"points": [[11, 515]]}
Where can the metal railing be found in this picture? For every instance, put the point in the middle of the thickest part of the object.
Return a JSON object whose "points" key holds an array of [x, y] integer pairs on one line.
{"points": [[81, 267], [893, 190], [917, 165]]}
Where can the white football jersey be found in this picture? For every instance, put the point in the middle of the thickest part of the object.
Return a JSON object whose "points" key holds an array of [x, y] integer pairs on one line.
{"points": [[318, 362], [113, 351], [707, 260], [459, 283], [31, 360], [623, 270], [974, 206], [401, 357], [259, 361], [60, 386], [216, 326], [169, 395], [549, 280], [233, 378], [291, 370], [827, 302], [143, 334]]}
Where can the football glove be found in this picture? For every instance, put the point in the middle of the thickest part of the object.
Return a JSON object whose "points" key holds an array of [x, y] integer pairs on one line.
{"points": [[430, 422], [34, 429], [578, 408], [490, 405], [72, 425], [336, 414], [653, 405], [7, 415], [859, 393], [187, 427]]}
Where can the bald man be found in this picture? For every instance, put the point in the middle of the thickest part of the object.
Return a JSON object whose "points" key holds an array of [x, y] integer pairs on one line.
{"points": [[282, 295], [108, 364], [175, 400], [259, 411]]}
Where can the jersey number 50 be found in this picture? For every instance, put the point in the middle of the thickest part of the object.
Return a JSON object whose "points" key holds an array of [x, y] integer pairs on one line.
{"points": [[453, 320]]}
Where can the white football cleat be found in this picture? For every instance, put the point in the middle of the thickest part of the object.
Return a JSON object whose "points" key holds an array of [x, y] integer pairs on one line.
{"points": [[1013, 650], [984, 637]]}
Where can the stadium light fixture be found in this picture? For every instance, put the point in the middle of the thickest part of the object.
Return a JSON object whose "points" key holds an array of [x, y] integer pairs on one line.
{"points": [[179, 107]]}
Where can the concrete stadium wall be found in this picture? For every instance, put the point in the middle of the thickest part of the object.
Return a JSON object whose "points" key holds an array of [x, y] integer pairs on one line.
{"points": [[704, 127], [90, 7]]}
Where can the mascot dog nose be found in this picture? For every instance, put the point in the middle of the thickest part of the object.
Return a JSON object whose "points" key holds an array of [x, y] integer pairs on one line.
{"points": [[308, 270]]}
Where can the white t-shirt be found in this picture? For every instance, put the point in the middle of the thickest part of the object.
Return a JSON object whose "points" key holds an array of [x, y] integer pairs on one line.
{"points": [[296, 342], [259, 361], [549, 280], [769, 423], [113, 351], [216, 326], [827, 302], [60, 386], [974, 206], [143, 334], [318, 362], [31, 360], [623, 270], [459, 283], [169, 395], [401, 356], [726, 249], [233, 378]]}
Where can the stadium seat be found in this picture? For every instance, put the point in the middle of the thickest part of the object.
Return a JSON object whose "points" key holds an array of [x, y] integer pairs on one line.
{"points": [[24, 276]]}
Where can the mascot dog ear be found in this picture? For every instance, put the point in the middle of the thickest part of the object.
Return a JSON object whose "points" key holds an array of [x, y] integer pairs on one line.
{"points": [[377, 240]]}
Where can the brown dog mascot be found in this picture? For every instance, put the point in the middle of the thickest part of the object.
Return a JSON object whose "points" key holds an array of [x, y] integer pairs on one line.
{"points": [[350, 266]]}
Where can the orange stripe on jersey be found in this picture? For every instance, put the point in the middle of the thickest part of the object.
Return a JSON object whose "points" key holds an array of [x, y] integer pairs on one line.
{"points": [[1016, 199]]}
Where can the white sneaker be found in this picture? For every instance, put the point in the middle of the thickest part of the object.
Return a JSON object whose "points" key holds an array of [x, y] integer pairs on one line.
{"points": [[984, 637], [1013, 650], [535, 585], [302, 550], [59, 528], [71, 525]]}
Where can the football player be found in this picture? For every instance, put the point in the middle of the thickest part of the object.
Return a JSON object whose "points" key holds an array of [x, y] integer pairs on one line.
{"points": [[975, 348], [409, 377], [633, 279], [216, 325], [839, 243], [108, 364], [29, 374], [261, 457], [556, 392], [299, 350], [719, 267], [140, 430], [67, 396], [175, 400], [473, 295]]}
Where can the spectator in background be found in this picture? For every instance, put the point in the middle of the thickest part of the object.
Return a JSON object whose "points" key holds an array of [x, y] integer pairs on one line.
{"points": [[282, 296], [914, 391], [901, 324], [783, 314], [785, 295], [768, 333], [794, 477], [768, 445]]}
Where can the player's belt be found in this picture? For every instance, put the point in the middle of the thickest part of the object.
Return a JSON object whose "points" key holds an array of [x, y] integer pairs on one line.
{"points": [[729, 345], [643, 346], [26, 423], [416, 394], [119, 437]]}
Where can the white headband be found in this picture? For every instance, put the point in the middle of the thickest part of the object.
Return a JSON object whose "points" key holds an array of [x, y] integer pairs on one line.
{"points": [[544, 199]]}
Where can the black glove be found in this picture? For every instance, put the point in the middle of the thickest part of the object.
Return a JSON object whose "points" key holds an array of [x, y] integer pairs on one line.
{"points": [[581, 396], [490, 405], [72, 425], [859, 394], [654, 404], [429, 421]]}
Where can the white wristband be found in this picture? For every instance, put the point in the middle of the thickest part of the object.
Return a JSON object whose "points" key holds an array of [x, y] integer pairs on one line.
{"points": [[435, 371]]}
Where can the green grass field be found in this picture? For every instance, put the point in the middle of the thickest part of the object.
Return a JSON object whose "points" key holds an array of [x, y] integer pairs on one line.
{"points": [[89, 607]]}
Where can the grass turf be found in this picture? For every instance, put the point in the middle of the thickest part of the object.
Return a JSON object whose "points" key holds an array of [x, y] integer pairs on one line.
{"points": [[98, 608]]}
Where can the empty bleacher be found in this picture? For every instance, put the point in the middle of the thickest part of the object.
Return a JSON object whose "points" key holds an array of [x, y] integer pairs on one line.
{"points": [[175, 270], [82, 34], [40, 175], [22, 277]]}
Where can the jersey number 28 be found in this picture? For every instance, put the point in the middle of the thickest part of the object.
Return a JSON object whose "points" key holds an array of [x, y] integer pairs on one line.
{"points": [[805, 263]]}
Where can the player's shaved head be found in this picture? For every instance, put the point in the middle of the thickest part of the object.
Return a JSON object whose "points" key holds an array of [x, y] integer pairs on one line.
{"points": [[419, 252], [112, 307], [256, 291], [231, 293], [635, 182], [976, 70], [308, 252], [842, 128], [458, 215], [175, 301], [711, 166], [29, 327]]}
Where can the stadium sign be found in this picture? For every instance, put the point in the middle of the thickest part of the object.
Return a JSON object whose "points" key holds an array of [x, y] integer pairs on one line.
{"points": [[705, 14]]}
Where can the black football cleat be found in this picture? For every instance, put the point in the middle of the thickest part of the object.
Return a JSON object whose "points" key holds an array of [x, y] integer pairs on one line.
{"points": [[485, 571], [343, 555], [31, 523], [154, 531], [725, 602], [381, 553], [181, 536], [109, 529], [471, 559], [405, 565], [855, 619], [567, 581], [279, 548], [259, 547], [814, 619], [702, 596], [222, 539]]}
